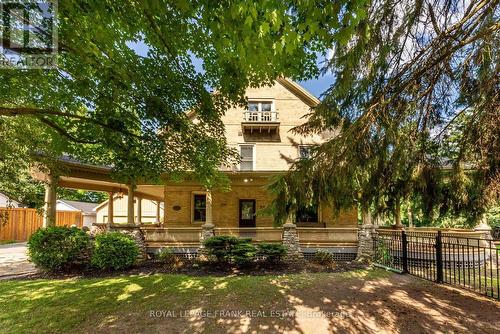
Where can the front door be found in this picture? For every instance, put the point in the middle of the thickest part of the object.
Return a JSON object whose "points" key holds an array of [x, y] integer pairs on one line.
{"points": [[247, 213]]}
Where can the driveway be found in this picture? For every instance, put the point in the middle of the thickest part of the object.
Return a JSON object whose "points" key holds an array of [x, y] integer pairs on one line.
{"points": [[14, 261]]}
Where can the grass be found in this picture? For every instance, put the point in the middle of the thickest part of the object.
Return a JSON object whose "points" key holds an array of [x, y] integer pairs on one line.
{"points": [[78, 305]]}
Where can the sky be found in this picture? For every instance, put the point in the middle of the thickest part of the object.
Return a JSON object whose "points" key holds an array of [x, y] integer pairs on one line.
{"points": [[317, 86]]}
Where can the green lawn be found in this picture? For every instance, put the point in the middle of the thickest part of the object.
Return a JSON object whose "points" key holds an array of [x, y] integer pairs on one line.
{"points": [[79, 305]]}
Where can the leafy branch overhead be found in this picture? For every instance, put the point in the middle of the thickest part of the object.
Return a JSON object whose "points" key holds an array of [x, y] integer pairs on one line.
{"points": [[127, 73]]}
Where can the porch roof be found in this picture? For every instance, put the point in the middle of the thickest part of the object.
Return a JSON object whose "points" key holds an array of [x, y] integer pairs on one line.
{"points": [[98, 178]]}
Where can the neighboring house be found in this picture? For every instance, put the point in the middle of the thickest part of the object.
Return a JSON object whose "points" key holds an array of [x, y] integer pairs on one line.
{"points": [[6, 201], [262, 134], [87, 210], [148, 209]]}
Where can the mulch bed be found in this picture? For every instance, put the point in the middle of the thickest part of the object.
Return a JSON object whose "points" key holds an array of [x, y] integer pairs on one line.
{"points": [[193, 268]]}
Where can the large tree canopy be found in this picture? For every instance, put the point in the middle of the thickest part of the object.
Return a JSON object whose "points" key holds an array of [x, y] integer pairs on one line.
{"points": [[415, 93], [126, 74]]}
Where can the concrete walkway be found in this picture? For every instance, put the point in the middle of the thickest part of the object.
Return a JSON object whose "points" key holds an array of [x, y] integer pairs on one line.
{"points": [[14, 261]]}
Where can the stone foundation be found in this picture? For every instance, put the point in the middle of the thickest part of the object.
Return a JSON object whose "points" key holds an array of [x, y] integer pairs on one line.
{"points": [[135, 232], [484, 228], [207, 231], [291, 242], [367, 235]]}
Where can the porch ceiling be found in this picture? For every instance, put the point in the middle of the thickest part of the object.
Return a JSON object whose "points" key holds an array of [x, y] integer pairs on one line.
{"points": [[152, 192]]}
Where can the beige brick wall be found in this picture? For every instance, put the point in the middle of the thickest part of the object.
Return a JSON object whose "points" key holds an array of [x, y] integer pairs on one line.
{"points": [[272, 155], [226, 205]]}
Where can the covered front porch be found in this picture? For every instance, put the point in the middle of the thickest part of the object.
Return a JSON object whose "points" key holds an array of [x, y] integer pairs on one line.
{"points": [[184, 223]]}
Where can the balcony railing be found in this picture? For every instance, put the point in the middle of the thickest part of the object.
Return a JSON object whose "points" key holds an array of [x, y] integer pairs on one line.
{"points": [[260, 116]]}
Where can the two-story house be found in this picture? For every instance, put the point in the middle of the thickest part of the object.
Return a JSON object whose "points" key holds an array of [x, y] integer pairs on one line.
{"points": [[262, 135]]}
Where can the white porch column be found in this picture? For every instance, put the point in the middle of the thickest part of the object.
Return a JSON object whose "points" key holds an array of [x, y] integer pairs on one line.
{"points": [[111, 208], [139, 210], [208, 218], [50, 213], [157, 219], [207, 229], [130, 204]]}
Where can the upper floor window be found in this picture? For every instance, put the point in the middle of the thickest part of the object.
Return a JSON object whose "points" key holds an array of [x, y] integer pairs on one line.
{"points": [[247, 157], [304, 152], [260, 106], [260, 111]]}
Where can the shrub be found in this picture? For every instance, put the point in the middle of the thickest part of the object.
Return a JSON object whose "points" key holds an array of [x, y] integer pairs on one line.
{"points": [[272, 253], [243, 253], [56, 247], [167, 256], [114, 250], [229, 249], [323, 258], [220, 247]]}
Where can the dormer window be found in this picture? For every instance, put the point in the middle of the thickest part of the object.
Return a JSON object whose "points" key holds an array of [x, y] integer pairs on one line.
{"points": [[260, 106]]}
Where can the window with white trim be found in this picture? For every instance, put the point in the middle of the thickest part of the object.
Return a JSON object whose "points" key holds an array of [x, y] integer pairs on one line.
{"points": [[247, 154], [260, 106], [260, 111]]}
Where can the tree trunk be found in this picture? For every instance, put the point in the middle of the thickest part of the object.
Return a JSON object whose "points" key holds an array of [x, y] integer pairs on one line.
{"points": [[410, 217], [397, 214], [49, 217]]}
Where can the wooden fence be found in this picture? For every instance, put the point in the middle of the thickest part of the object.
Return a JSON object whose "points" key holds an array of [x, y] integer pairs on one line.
{"points": [[20, 223]]}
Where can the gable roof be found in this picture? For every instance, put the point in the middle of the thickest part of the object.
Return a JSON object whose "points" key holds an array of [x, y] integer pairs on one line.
{"points": [[296, 89], [302, 93], [9, 199], [84, 207], [103, 204]]}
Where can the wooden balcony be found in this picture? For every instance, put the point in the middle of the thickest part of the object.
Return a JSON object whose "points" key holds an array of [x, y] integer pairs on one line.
{"points": [[260, 122]]}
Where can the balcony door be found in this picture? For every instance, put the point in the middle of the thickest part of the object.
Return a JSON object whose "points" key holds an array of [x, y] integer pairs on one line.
{"points": [[247, 213]]}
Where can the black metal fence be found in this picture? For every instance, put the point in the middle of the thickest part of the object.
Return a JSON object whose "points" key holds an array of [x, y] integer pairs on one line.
{"points": [[470, 263]]}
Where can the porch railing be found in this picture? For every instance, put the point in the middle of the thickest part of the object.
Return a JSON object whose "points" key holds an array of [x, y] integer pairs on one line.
{"points": [[317, 236], [175, 236], [257, 234], [156, 236]]}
